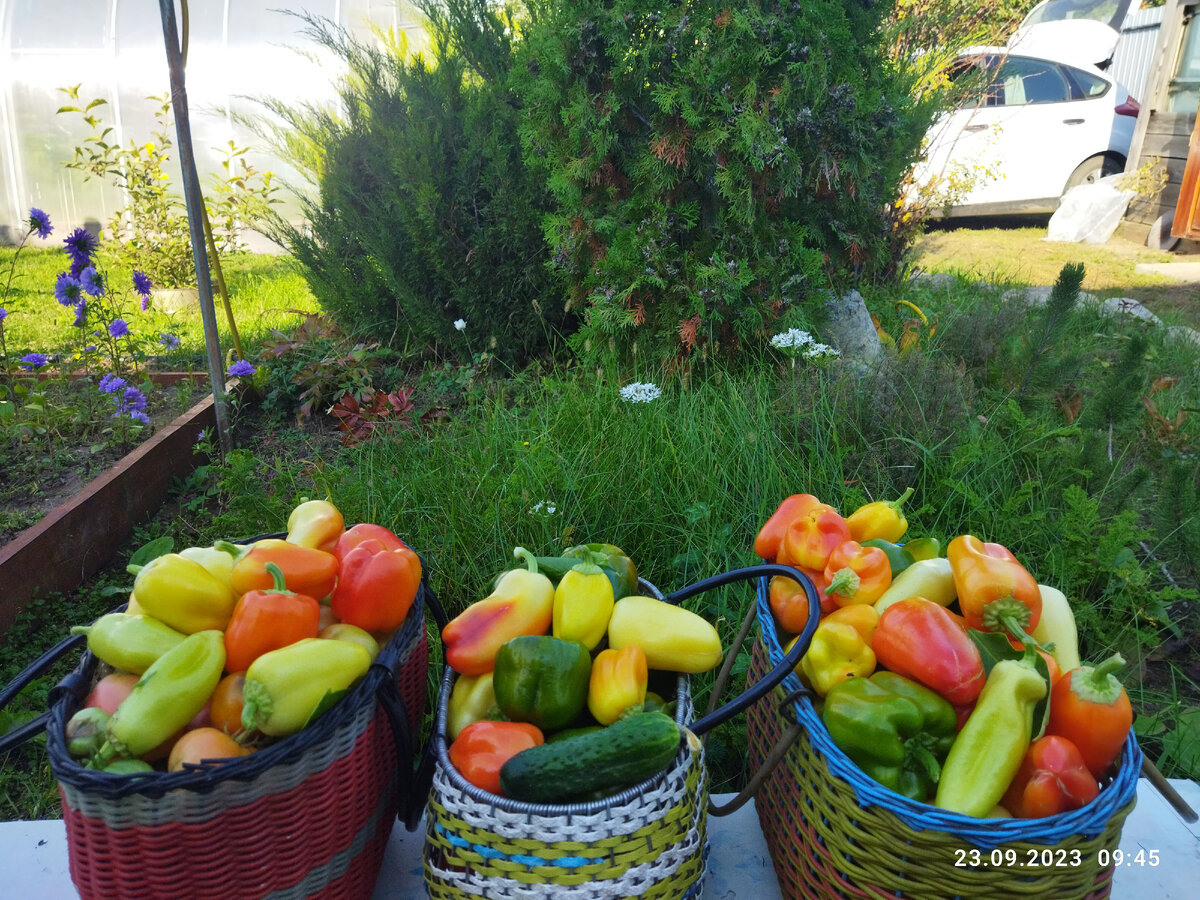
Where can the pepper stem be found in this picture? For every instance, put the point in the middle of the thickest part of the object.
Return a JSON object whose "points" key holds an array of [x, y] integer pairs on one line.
{"points": [[899, 501], [280, 586], [1099, 684], [529, 558], [845, 583]]}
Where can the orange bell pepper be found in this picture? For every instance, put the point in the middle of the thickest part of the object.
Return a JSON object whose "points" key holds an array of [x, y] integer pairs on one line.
{"points": [[857, 574], [1090, 707], [617, 683], [482, 748], [305, 570], [862, 619], [812, 537], [789, 603], [995, 592], [268, 620], [376, 586], [769, 539], [920, 640], [882, 519], [1052, 779], [317, 524]]}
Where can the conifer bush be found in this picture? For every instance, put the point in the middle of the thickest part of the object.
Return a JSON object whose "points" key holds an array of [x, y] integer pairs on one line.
{"points": [[714, 165], [425, 233]]}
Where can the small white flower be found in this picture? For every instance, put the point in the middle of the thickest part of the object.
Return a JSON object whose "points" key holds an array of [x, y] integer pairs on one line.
{"points": [[818, 351], [460, 324], [543, 507], [640, 392], [792, 339]]}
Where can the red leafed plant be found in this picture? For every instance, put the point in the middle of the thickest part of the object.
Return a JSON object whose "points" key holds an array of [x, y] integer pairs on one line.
{"points": [[359, 415]]}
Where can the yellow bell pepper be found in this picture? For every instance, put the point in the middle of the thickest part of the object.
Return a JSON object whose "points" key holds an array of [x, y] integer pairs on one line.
{"points": [[1057, 627], [618, 683], [673, 638], [473, 699], [182, 593], [218, 562], [882, 519], [583, 604], [862, 617], [928, 578], [837, 652], [317, 524]]}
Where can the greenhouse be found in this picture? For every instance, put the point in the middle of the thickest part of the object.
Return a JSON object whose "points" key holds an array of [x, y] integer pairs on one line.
{"points": [[114, 51]]}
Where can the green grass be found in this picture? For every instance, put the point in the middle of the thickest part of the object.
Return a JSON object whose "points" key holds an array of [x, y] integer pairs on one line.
{"points": [[266, 293], [974, 421]]}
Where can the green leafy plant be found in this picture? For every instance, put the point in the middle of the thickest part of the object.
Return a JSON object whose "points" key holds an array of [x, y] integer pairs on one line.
{"points": [[713, 165]]}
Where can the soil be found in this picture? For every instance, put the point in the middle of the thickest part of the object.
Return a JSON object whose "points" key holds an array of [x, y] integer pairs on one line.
{"points": [[36, 475]]}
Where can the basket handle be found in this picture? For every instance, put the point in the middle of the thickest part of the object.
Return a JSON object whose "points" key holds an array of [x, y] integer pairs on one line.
{"points": [[35, 669], [415, 790], [753, 693]]}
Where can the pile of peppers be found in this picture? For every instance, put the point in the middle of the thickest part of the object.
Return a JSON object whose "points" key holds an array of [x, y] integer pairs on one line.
{"points": [[948, 675], [236, 646], [563, 646]]}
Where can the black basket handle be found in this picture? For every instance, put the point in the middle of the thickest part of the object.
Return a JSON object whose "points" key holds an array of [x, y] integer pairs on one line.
{"points": [[35, 669], [761, 688]]}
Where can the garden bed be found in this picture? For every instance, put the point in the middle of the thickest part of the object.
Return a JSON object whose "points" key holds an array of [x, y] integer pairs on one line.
{"points": [[75, 535]]}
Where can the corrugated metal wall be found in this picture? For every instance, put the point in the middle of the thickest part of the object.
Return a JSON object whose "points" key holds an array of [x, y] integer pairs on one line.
{"points": [[1135, 50]]}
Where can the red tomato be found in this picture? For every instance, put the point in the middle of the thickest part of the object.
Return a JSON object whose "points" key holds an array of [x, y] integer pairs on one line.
{"points": [[111, 690], [202, 744], [226, 704]]}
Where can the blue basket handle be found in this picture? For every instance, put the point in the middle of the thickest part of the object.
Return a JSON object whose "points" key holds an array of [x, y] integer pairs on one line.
{"points": [[753, 693]]}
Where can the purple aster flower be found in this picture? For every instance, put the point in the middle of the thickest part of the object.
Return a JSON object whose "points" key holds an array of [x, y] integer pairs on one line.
{"points": [[81, 313], [110, 384], [118, 328], [138, 416], [66, 289], [142, 283], [168, 340], [39, 222], [92, 282], [90, 348], [31, 361], [77, 267], [241, 369], [3, 313], [82, 246], [134, 399]]}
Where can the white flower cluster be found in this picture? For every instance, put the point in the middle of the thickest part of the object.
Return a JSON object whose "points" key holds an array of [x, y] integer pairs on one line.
{"points": [[640, 392], [543, 507], [795, 342]]}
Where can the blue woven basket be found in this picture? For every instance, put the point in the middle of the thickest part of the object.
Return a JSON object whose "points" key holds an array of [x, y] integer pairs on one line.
{"points": [[834, 832]]}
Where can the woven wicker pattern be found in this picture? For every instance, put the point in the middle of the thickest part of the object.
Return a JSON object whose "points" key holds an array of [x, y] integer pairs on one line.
{"points": [[310, 817], [652, 845], [826, 842]]}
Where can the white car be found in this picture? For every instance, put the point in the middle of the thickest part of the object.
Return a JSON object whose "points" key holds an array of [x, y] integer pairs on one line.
{"points": [[1048, 119]]}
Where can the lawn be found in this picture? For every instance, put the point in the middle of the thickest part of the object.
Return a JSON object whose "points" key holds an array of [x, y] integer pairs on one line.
{"points": [[1017, 254]]}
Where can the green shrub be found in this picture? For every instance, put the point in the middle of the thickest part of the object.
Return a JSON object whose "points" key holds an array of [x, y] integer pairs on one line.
{"points": [[714, 164], [426, 216]]}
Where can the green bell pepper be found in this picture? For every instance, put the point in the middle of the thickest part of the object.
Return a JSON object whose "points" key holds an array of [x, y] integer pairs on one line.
{"points": [[542, 680], [897, 731], [898, 557]]}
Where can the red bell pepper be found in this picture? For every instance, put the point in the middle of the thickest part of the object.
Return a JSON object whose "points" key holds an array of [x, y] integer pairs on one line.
{"points": [[482, 748], [995, 592], [305, 570], [812, 537], [376, 586], [1090, 707], [920, 640], [1052, 779], [857, 574], [769, 539], [365, 531], [267, 620]]}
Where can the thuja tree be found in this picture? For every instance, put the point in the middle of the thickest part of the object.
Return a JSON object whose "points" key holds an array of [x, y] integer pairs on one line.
{"points": [[426, 228], [714, 164]]}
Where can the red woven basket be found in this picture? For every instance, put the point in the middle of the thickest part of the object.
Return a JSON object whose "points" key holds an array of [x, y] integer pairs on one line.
{"points": [[308, 816]]}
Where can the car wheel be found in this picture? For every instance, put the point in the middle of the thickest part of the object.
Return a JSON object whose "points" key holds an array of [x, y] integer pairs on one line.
{"points": [[1092, 170]]}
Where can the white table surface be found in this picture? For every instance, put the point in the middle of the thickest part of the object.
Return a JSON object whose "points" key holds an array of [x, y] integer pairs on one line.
{"points": [[33, 856]]}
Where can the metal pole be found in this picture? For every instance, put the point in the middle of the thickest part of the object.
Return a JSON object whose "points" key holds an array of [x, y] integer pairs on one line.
{"points": [[191, 194]]}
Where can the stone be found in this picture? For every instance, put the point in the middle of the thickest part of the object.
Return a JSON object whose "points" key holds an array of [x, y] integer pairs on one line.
{"points": [[849, 328], [1039, 296], [939, 281], [1129, 307], [1183, 334]]}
